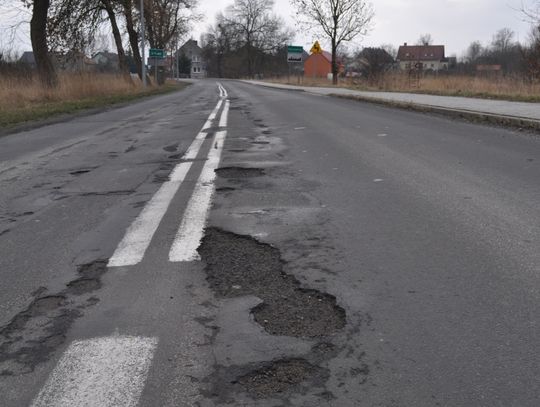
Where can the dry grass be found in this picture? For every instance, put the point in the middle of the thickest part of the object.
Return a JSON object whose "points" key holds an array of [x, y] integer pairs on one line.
{"points": [[25, 99], [515, 89]]}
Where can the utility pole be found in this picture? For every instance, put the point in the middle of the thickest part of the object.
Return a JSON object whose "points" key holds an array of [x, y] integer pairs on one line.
{"points": [[177, 58], [143, 44]]}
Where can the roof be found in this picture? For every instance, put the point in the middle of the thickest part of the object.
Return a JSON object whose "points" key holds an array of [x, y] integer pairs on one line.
{"points": [[420, 53], [192, 45]]}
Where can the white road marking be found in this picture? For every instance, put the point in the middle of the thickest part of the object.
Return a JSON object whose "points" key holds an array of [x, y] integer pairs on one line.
{"points": [[102, 372], [222, 91], [190, 233], [382, 135], [378, 180], [212, 116], [132, 247], [225, 115], [299, 128]]}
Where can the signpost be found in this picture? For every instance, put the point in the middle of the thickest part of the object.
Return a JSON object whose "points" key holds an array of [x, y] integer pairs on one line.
{"points": [[295, 55], [157, 53], [156, 58], [315, 49]]}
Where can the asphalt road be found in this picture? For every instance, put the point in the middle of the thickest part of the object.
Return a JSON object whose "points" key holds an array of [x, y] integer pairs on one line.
{"points": [[353, 255]]}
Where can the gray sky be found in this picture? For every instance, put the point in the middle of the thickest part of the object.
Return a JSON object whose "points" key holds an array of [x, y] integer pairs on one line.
{"points": [[453, 23]]}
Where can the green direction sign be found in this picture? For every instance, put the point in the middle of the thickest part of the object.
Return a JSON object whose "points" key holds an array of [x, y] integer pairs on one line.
{"points": [[293, 49], [157, 53], [294, 54]]}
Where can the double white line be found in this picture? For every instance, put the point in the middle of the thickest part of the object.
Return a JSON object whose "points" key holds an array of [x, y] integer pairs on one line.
{"points": [[131, 249]]}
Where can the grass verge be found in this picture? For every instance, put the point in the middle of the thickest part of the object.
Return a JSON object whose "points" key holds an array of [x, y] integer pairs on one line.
{"points": [[500, 88], [25, 101]]}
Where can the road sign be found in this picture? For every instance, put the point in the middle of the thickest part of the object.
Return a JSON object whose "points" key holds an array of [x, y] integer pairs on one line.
{"points": [[156, 61], [294, 54], [295, 49], [316, 48], [157, 53]]}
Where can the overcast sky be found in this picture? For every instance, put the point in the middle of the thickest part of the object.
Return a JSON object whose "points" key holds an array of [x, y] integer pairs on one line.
{"points": [[453, 23]]}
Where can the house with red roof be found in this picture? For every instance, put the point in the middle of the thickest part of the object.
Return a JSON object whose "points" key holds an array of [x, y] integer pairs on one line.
{"points": [[422, 57], [320, 65]]}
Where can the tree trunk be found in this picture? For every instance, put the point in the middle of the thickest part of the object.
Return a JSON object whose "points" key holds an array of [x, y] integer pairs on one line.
{"points": [[122, 61], [334, 63], [38, 35], [133, 36]]}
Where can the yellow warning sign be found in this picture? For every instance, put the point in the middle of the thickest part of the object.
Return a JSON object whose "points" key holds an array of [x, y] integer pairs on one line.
{"points": [[316, 48]]}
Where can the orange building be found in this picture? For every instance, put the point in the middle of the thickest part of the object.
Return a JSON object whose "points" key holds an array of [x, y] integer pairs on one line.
{"points": [[319, 65]]}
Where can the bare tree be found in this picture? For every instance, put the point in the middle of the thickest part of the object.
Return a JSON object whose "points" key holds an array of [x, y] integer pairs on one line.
{"points": [[167, 19], [531, 54], [503, 40], [339, 20], [474, 51], [217, 42], [255, 28], [74, 25], [133, 34], [390, 49], [425, 39], [38, 36], [374, 62]]}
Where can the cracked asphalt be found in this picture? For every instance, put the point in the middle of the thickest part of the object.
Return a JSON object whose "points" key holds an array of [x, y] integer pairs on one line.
{"points": [[354, 255]]}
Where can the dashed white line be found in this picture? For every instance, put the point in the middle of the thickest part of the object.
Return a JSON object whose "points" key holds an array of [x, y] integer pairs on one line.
{"points": [[102, 372]]}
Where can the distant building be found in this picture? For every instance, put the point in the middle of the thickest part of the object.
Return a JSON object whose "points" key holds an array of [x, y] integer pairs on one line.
{"points": [[71, 61], [320, 65], [193, 52], [106, 61], [422, 57], [372, 61]]}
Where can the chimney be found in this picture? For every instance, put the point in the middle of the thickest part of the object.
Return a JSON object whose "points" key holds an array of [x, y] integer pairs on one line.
{"points": [[405, 44]]}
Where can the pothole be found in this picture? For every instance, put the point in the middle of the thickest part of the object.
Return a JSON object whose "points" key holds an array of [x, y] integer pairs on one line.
{"points": [[83, 286], [171, 148], [80, 172], [240, 265], [279, 377], [33, 334], [239, 172], [45, 304]]}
